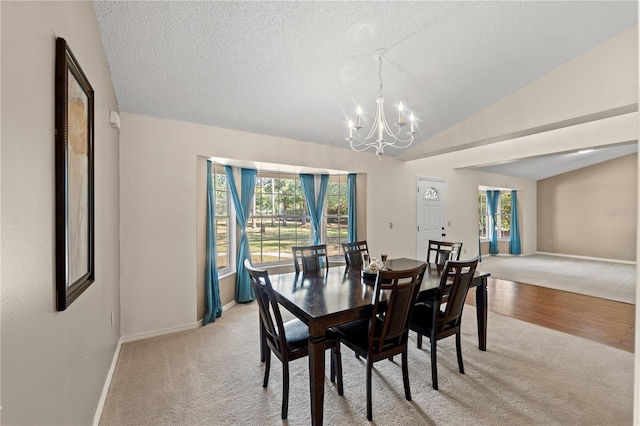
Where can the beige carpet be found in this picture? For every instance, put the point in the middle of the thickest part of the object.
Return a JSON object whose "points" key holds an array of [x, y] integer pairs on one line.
{"points": [[529, 376], [607, 280]]}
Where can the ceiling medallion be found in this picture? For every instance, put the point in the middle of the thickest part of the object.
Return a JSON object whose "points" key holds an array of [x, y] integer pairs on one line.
{"points": [[385, 135]]}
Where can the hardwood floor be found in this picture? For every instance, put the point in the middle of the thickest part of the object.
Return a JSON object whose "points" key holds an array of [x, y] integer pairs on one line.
{"points": [[600, 320]]}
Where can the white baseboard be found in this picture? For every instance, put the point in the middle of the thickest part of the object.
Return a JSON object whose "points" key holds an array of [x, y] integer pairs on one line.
{"points": [[161, 332], [133, 338], [107, 383], [600, 259]]}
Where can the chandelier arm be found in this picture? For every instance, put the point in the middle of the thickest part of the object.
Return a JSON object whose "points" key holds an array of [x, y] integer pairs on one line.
{"points": [[362, 147]]}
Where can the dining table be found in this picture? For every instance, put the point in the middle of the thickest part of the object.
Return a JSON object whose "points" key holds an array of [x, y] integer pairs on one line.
{"points": [[338, 296]]}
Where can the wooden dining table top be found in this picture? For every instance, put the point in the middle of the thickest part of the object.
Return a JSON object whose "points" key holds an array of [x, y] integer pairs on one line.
{"points": [[311, 296]]}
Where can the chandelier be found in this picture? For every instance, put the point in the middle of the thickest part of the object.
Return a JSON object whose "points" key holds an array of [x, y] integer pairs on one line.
{"points": [[380, 128]]}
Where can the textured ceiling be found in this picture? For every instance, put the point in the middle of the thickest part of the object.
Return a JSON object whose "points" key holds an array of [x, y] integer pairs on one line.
{"points": [[299, 69]]}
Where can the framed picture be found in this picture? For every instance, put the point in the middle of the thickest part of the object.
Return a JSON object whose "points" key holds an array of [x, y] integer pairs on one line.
{"points": [[74, 234]]}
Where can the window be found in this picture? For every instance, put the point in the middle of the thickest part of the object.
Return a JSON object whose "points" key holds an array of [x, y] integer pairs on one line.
{"points": [[337, 218], [222, 217], [483, 215], [503, 215], [279, 218]]}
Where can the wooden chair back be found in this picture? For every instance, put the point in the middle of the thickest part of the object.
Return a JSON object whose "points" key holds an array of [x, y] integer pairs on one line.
{"points": [[439, 252], [395, 295], [312, 258], [353, 254], [269, 309], [454, 286]]}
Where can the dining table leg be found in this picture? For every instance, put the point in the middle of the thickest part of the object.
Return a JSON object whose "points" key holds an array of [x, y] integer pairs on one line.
{"points": [[481, 312], [316, 378]]}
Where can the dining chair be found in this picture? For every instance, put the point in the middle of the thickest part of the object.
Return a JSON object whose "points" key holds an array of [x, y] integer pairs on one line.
{"points": [[288, 340], [443, 251], [441, 317], [312, 258], [385, 333], [353, 253]]}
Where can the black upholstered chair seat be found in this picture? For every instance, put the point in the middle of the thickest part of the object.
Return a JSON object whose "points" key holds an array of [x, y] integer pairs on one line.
{"points": [[297, 334], [422, 317], [356, 333]]}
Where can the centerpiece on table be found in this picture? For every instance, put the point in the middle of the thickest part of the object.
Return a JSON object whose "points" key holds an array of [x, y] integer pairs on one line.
{"points": [[371, 269]]}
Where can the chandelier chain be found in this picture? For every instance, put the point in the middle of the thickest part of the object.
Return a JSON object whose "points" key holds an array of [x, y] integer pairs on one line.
{"points": [[380, 74]]}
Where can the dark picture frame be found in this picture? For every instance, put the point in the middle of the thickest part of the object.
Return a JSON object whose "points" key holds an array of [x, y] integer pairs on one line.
{"points": [[74, 185]]}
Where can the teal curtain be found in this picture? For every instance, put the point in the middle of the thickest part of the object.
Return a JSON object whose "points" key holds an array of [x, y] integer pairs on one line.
{"points": [[315, 207], [351, 203], [213, 306], [244, 292], [492, 206], [514, 236]]}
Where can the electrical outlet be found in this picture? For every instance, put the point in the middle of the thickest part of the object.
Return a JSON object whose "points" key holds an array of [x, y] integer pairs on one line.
{"points": [[390, 225], [113, 319]]}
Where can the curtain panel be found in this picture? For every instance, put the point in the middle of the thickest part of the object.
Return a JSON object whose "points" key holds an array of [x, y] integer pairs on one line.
{"points": [[244, 292], [492, 206], [315, 206], [213, 306], [514, 236]]}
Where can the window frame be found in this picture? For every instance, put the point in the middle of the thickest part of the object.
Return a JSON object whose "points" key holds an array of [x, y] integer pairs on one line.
{"points": [[231, 224], [342, 183], [283, 256]]}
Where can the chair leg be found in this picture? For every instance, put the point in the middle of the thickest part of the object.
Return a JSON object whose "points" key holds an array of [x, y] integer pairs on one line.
{"points": [[263, 343], [459, 351], [369, 409], [434, 367], [336, 357], [419, 340], [333, 364], [405, 375], [285, 389], [267, 366]]}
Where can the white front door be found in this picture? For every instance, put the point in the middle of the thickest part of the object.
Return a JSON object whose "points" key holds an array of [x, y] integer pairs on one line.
{"points": [[431, 219]]}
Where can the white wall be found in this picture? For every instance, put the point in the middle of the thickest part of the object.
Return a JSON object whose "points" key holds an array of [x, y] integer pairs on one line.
{"points": [[158, 202], [54, 364]]}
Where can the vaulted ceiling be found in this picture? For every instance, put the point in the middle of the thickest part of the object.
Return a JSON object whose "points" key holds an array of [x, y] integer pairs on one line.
{"points": [[299, 69]]}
